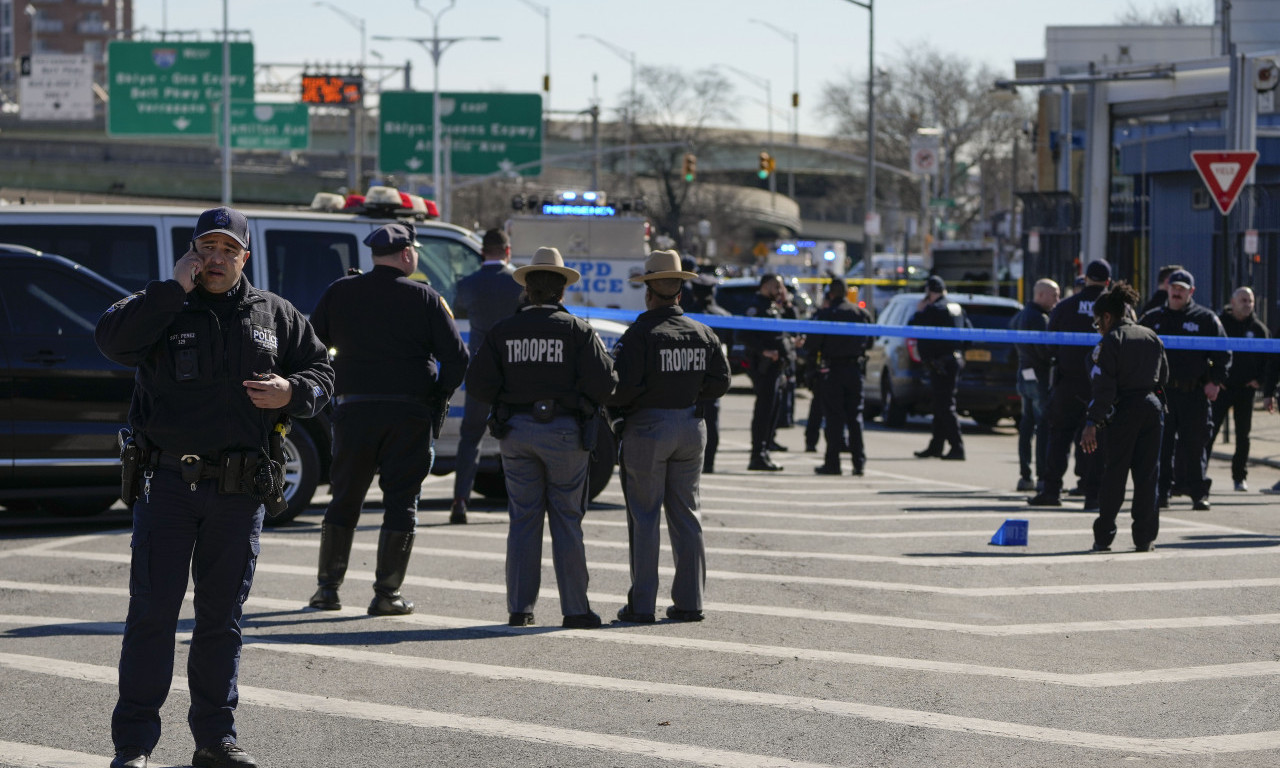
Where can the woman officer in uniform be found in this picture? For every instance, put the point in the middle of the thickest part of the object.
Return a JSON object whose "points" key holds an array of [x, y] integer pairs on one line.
{"points": [[1129, 367]]}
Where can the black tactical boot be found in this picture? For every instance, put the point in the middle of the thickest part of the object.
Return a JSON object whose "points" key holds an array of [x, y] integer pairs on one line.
{"points": [[335, 550], [394, 548]]}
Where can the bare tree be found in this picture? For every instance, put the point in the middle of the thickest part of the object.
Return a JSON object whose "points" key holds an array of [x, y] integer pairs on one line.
{"points": [[1166, 14], [926, 88]]}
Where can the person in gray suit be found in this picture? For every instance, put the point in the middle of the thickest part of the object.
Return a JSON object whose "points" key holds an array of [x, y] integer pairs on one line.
{"points": [[484, 297]]}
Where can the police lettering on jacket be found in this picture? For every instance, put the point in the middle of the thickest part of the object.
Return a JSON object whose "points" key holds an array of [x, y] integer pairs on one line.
{"points": [[667, 360], [535, 350], [672, 360]]}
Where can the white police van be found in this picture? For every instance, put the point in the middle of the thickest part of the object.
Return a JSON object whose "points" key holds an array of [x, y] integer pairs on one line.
{"points": [[296, 254]]}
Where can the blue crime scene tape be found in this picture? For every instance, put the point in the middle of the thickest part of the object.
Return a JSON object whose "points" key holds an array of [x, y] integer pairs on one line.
{"points": [[989, 335]]}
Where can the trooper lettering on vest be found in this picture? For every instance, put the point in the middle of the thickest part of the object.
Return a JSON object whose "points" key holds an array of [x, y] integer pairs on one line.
{"points": [[535, 350], [679, 360]]}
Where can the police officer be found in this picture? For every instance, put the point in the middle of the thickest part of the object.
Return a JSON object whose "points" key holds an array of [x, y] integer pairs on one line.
{"points": [[546, 373], [942, 360], [838, 360], [1069, 392], [666, 364], [1129, 366], [1035, 364], [767, 351], [1247, 375], [484, 297], [704, 302], [397, 357], [1195, 378], [220, 364]]}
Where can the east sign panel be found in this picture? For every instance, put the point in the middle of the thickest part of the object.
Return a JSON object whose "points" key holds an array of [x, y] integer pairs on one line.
{"points": [[166, 89], [263, 125], [490, 132]]}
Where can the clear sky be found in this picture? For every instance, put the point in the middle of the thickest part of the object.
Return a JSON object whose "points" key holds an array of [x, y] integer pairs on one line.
{"points": [[689, 34]]}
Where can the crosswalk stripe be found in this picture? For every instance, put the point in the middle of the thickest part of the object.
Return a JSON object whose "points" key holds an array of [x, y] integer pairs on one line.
{"points": [[487, 726], [36, 756]]}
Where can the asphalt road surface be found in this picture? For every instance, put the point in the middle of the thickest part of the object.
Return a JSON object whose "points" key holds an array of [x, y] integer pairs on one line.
{"points": [[851, 622]]}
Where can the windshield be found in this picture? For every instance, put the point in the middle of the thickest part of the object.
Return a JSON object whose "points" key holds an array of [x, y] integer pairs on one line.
{"points": [[442, 263]]}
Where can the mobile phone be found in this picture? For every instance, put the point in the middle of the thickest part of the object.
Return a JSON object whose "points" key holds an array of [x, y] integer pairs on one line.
{"points": [[197, 273]]}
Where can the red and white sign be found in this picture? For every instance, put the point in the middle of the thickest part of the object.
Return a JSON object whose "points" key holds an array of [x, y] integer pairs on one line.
{"points": [[1033, 241], [1224, 174], [924, 160], [1251, 241]]}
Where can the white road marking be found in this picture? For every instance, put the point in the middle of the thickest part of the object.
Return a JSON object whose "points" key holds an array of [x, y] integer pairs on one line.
{"points": [[843, 617], [36, 756], [605, 743], [978, 534], [508, 729]]}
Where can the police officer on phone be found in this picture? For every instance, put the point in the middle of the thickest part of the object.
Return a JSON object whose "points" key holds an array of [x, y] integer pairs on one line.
{"points": [[219, 365], [484, 297], [547, 374], [397, 358], [942, 359], [667, 364]]}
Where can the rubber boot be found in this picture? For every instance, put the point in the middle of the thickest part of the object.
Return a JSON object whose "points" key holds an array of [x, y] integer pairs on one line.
{"points": [[394, 548], [335, 550]]}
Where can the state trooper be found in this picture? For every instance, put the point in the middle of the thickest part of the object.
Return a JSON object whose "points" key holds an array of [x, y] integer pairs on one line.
{"points": [[666, 363], [838, 361], [1069, 393], [1195, 379], [943, 361], [547, 374], [397, 358], [768, 351], [1247, 375], [484, 297], [219, 365], [1129, 368]]}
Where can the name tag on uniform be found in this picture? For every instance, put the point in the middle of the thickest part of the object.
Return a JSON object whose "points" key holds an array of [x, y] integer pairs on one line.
{"points": [[535, 350], [1028, 374], [680, 360]]}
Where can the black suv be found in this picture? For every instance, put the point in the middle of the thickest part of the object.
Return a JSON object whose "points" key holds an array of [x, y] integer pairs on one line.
{"points": [[895, 380], [62, 402]]}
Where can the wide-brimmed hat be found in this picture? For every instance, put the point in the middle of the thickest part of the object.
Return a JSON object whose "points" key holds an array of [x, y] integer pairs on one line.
{"points": [[547, 260], [662, 265]]}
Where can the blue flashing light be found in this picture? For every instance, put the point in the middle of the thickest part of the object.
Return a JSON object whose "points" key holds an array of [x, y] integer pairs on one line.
{"points": [[579, 210], [589, 197], [569, 196], [829, 255], [787, 248]]}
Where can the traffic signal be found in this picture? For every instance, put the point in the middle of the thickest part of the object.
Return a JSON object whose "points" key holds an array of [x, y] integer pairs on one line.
{"points": [[690, 166], [766, 165]]}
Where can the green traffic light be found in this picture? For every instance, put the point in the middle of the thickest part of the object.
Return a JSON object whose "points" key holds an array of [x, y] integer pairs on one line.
{"points": [[762, 173], [688, 177]]}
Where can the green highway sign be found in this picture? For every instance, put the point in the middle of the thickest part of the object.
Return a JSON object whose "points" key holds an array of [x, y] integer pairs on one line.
{"points": [[263, 125], [490, 132], [166, 88]]}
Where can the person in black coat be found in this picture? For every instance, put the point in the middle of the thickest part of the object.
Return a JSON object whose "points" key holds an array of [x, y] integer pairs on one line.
{"points": [[1129, 368], [1247, 375], [1035, 366], [942, 360], [838, 361], [484, 297], [703, 291], [1195, 379], [768, 352]]}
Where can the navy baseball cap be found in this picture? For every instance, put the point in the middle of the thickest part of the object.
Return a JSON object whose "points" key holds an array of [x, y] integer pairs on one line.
{"points": [[225, 221], [1098, 271], [391, 238], [935, 284], [1184, 277]]}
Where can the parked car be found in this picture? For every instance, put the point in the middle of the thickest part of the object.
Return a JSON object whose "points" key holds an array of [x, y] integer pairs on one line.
{"points": [[738, 293], [61, 401], [895, 380], [885, 266]]}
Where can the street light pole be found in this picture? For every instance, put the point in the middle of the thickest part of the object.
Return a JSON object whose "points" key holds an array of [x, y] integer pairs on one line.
{"points": [[357, 144], [768, 98], [436, 46], [795, 101], [630, 58], [868, 241]]}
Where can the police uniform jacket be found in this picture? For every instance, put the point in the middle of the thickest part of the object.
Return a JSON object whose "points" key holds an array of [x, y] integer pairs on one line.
{"points": [[193, 351], [486, 296], [939, 314], [1074, 314], [760, 341], [667, 360], [839, 348], [1129, 360], [392, 336], [1245, 366], [541, 353], [1038, 357], [1190, 368]]}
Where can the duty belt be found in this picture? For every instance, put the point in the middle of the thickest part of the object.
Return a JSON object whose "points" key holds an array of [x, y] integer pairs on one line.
{"points": [[209, 468]]}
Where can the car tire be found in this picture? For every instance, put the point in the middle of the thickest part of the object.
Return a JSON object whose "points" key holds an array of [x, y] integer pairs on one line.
{"points": [[986, 419], [78, 506], [893, 414], [301, 474]]}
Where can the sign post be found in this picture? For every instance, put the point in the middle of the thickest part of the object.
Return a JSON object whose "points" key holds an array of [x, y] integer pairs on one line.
{"points": [[168, 89], [489, 131]]}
